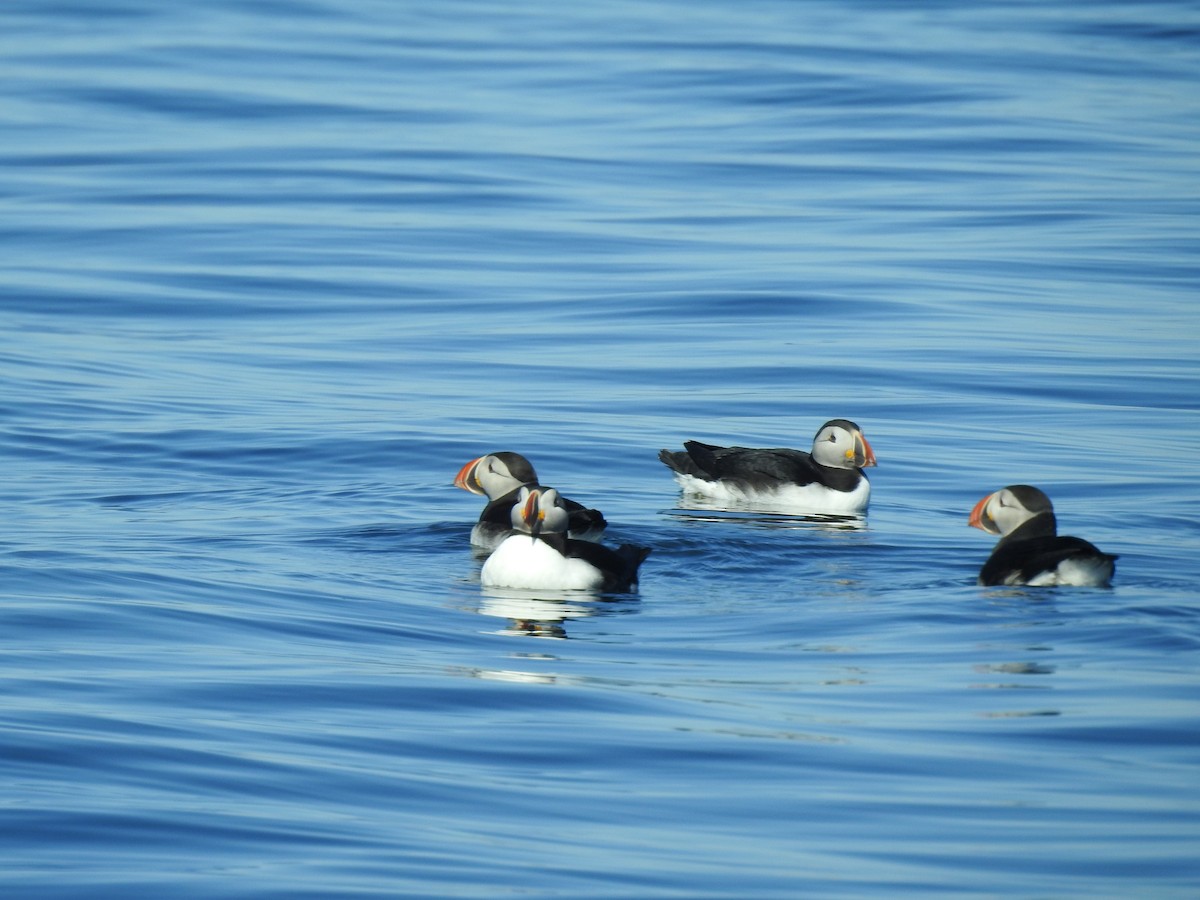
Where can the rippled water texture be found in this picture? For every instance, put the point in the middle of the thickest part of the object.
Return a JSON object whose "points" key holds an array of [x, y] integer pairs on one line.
{"points": [[274, 272]]}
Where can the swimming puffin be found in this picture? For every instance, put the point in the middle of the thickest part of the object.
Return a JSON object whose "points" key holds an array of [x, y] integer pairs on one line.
{"points": [[828, 480], [1030, 550], [499, 476], [538, 555]]}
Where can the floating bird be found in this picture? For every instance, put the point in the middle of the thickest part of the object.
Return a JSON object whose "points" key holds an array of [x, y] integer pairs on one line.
{"points": [[828, 480], [538, 555], [499, 477], [1030, 550]]}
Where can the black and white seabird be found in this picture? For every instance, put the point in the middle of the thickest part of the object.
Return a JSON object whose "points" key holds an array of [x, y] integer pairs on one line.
{"points": [[499, 477], [538, 555], [828, 480], [1030, 550]]}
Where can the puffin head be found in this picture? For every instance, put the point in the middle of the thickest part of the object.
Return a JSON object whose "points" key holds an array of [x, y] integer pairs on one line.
{"points": [[840, 445], [1004, 511], [539, 510], [496, 474]]}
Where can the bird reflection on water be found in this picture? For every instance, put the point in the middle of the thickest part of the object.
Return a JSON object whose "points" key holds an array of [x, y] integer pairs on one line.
{"points": [[544, 613], [699, 510]]}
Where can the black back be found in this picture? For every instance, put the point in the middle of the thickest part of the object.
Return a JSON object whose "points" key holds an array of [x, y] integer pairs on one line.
{"points": [[1018, 562], [1033, 548], [757, 469]]}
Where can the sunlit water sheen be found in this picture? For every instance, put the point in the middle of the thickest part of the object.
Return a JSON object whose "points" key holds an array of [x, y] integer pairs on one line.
{"points": [[274, 272]]}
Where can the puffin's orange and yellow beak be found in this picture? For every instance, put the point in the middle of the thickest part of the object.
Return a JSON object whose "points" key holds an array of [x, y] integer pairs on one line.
{"points": [[862, 453], [980, 519], [532, 512], [466, 477]]}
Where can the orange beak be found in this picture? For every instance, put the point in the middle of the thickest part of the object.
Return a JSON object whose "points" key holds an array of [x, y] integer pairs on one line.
{"points": [[466, 477], [532, 512], [865, 452], [980, 519]]}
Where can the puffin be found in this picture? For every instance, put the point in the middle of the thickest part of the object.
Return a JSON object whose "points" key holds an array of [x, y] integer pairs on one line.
{"points": [[538, 554], [830, 479], [499, 477], [1030, 550]]}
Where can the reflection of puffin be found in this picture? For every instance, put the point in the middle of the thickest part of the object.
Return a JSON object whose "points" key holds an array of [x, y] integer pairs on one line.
{"points": [[499, 476], [828, 480], [538, 555], [1030, 550], [542, 613]]}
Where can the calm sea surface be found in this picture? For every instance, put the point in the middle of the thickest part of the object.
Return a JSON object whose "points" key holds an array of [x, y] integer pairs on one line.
{"points": [[273, 272]]}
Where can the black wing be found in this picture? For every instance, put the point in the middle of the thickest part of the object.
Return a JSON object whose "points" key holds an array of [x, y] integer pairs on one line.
{"points": [[620, 566], [1019, 562], [767, 468], [581, 520]]}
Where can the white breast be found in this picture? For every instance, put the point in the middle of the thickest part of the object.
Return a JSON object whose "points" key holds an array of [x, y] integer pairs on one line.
{"points": [[523, 562], [788, 498]]}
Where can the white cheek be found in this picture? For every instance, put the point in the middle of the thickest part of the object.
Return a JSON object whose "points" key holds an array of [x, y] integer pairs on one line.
{"points": [[828, 453], [1007, 518], [496, 484]]}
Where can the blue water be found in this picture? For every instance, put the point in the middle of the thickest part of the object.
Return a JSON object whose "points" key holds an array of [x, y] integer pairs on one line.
{"points": [[273, 272]]}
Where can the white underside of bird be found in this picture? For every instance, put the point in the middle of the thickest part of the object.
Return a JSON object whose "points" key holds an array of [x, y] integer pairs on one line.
{"points": [[1087, 572], [795, 498], [527, 563]]}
